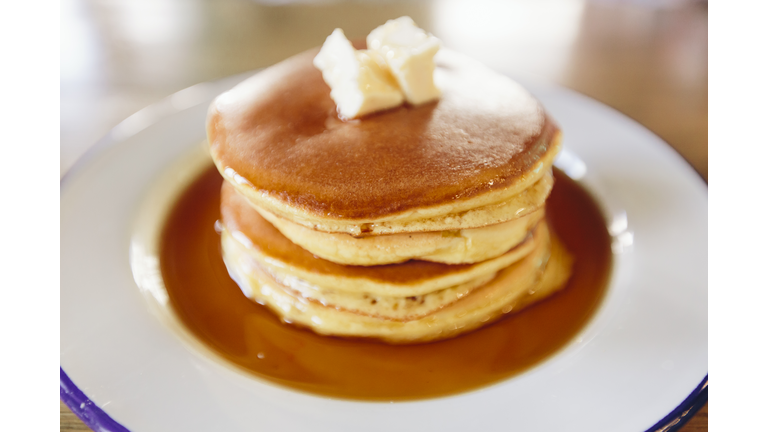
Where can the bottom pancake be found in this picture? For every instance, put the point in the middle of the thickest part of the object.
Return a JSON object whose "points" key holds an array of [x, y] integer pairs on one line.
{"points": [[541, 272]]}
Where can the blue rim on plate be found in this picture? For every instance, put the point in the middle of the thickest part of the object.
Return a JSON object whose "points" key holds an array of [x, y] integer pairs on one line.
{"points": [[93, 416], [98, 420]]}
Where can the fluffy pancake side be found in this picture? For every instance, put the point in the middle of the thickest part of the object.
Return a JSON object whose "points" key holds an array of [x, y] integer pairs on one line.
{"points": [[451, 247], [267, 246], [535, 276], [398, 308]]}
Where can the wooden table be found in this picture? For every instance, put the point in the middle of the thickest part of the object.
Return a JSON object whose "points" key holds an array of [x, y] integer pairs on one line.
{"points": [[649, 63]]}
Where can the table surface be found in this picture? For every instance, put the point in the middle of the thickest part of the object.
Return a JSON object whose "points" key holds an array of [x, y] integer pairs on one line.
{"points": [[647, 59]]}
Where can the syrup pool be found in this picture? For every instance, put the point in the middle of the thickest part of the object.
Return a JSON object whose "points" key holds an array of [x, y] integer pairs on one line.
{"points": [[247, 334]]}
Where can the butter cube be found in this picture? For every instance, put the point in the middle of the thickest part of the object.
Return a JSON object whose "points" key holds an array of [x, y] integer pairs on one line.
{"points": [[360, 81], [409, 52]]}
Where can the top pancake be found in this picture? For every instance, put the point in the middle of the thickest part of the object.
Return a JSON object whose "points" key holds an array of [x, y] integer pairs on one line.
{"points": [[278, 134]]}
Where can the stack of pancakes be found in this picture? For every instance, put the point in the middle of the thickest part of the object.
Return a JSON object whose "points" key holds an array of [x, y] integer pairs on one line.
{"points": [[412, 224]]}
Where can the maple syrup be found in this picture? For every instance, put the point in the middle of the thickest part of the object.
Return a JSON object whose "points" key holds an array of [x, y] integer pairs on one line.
{"points": [[212, 306]]}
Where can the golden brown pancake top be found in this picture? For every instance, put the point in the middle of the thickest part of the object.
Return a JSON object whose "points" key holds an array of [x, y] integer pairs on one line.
{"points": [[280, 132]]}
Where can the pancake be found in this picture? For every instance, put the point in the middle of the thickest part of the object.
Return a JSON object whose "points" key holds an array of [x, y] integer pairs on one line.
{"points": [[536, 276], [457, 163], [451, 247], [397, 307], [267, 246], [407, 225]]}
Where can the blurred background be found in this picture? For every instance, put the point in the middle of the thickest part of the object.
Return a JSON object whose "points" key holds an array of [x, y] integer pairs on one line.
{"points": [[646, 58]]}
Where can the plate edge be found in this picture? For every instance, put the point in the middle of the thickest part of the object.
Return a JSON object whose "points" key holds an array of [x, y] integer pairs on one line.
{"points": [[84, 408], [98, 420], [685, 411]]}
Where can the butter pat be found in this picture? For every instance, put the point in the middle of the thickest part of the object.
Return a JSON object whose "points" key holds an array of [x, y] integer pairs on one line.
{"points": [[409, 52], [359, 80]]}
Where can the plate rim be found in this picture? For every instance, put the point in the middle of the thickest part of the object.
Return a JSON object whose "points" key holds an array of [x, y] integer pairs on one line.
{"points": [[84, 408], [97, 419]]}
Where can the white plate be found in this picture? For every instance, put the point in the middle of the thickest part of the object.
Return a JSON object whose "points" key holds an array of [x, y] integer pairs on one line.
{"points": [[639, 358]]}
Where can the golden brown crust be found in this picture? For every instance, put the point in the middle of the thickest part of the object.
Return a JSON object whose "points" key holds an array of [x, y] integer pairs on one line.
{"points": [[279, 132]]}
